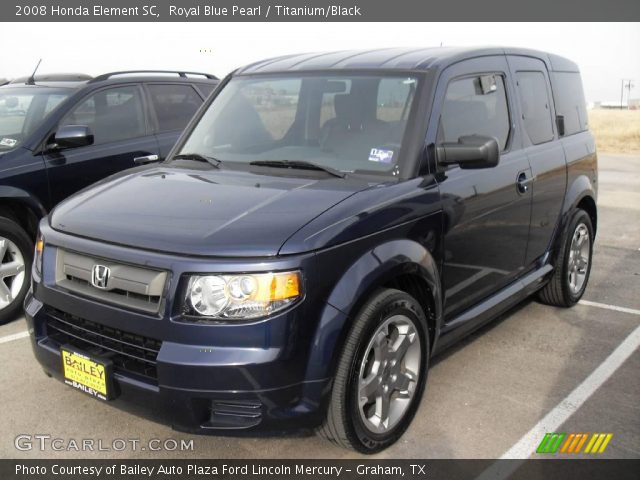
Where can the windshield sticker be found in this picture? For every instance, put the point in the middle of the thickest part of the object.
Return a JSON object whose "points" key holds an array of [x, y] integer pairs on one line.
{"points": [[8, 142], [381, 156]]}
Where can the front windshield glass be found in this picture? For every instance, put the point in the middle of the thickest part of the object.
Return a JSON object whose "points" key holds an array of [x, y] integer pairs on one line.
{"points": [[353, 123], [22, 110]]}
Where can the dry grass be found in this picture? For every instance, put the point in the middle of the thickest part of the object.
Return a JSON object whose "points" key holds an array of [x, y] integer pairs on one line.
{"points": [[616, 131]]}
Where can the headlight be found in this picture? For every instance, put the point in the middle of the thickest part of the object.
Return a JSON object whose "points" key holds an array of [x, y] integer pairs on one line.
{"points": [[242, 296], [37, 258]]}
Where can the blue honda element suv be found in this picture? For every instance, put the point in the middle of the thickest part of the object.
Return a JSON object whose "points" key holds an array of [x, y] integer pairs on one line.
{"points": [[323, 227]]}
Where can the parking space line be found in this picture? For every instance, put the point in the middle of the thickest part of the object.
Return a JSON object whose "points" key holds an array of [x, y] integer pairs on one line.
{"points": [[526, 446], [15, 336], [606, 306], [572, 402]]}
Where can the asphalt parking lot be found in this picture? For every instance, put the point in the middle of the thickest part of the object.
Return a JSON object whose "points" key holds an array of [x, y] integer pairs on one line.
{"points": [[535, 369]]}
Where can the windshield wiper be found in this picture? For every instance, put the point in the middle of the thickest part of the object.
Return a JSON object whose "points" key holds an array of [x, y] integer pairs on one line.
{"points": [[198, 158], [299, 164]]}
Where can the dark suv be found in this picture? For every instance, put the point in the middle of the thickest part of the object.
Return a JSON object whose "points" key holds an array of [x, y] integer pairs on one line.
{"points": [[60, 133], [324, 226]]}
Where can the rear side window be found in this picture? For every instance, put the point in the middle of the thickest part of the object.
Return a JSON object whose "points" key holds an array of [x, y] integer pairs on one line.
{"points": [[536, 109], [570, 102], [174, 105], [475, 106], [113, 114]]}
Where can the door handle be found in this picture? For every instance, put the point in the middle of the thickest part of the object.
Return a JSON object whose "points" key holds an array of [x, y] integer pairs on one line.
{"points": [[146, 159], [523, 182]]}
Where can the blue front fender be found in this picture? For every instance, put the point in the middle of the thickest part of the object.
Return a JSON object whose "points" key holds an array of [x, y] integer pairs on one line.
{"points": [[372, 270]]}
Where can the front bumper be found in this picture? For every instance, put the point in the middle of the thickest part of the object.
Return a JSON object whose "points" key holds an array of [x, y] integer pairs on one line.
{"points": [[270, 374], [201, 402]]}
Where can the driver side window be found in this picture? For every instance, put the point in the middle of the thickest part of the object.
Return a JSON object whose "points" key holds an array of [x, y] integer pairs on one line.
{"points": [[112, 115], [475, 105]]}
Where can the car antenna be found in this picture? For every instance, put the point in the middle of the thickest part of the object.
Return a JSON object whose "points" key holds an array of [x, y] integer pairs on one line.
{"points": [[32, 79]]}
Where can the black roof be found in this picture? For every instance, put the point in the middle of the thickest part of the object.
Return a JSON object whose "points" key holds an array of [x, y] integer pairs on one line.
{"points": [[408, 59]]}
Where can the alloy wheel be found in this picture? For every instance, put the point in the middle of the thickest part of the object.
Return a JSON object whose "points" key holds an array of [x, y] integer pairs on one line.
{"points": [[579, 255], [12, 272], [389, 374]]}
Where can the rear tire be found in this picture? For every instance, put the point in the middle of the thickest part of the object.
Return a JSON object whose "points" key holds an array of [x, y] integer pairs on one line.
{"points": [[16, 256], [571, 273], [381, 374]]}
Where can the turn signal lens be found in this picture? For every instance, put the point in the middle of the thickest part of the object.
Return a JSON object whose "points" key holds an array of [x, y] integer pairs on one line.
{"points": [[244, 296], [281, 286], [38, 255]]}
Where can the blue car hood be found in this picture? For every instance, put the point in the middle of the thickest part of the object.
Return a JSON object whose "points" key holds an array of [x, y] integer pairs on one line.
{"points": [[195, 212]]}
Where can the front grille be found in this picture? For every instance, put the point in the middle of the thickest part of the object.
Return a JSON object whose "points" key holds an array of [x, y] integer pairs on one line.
{"points": [[83, 285], [131, 354], [134, 288]]}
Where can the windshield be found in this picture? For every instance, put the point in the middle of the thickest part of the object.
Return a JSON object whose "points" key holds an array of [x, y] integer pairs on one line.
{"points": [[353, 123], [22, 110]]}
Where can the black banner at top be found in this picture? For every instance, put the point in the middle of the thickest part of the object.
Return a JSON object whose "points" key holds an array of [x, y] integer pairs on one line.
{"points": [[317, 10]]}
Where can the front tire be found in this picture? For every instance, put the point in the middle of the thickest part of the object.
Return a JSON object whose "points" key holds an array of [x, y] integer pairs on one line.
{"points": [[381, 374], [16, 254], [572, 270]]}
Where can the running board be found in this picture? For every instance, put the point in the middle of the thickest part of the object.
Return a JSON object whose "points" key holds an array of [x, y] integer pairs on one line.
{"points": [[475, 317]]}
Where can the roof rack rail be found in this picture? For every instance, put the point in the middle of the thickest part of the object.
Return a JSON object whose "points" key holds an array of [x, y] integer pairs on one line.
{"points": [[55, 77], [181, 74]]}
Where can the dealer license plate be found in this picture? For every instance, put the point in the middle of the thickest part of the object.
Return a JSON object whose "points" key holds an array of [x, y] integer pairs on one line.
{"points": [[91, 375]]}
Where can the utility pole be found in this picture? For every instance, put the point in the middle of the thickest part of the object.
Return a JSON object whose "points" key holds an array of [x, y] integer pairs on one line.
{"points": [[628, 84]]}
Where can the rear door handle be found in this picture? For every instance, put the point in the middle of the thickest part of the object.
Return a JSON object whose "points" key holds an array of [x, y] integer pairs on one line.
{"points": [[146, 159], [523, 182]]}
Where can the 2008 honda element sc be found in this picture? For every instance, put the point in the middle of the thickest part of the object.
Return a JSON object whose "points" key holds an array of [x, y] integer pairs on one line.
{"points": [[324, 226]]}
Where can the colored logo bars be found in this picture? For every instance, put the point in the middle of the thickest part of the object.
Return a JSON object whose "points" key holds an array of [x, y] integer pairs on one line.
{"points": [[573, 443]]}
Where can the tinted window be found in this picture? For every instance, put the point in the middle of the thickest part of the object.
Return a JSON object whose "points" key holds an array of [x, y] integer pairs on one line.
{"points": [[112, 115], [570, 103], [475, 106], [393, 99], [174, 105], [53, 101], [275, 103], [536, 110], [22, 110], [205, 88], [354, 123], [394, 96], [328, 111]]}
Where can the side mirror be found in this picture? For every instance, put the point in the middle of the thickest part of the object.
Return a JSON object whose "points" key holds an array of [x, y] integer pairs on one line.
{"points": [[73, 136], [470, 152]]}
